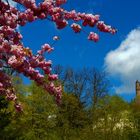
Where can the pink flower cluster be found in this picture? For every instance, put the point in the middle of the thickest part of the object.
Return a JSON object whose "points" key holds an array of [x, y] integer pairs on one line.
{"points": [[45, 48], [76, 27], [60, 2], [15, 55], [105, 28], [93, 36]]}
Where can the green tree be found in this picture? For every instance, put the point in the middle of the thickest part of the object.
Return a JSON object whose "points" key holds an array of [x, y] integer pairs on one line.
{"points": [[72, 118], [111, 116], [4, 116], [36, 121], [135, 106]]}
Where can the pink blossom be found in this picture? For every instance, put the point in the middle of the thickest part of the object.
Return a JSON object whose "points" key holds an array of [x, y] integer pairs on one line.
{"points": [[76, 27], [93, 37], [20, 58]]}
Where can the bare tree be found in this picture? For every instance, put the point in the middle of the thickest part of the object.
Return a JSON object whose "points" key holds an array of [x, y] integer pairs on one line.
{"points": [[75, 82], [98, 85], [87, 84], [58, 69]]}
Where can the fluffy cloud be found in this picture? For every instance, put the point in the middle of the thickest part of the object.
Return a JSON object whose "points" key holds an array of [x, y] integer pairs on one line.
{"points": [[124, 62]]}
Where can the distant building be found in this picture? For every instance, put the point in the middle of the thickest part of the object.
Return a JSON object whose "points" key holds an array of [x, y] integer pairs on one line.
{"points": [[137, 92]]}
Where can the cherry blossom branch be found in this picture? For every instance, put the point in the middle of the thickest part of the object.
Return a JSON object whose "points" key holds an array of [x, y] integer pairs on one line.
{"points": [[20, 58]]}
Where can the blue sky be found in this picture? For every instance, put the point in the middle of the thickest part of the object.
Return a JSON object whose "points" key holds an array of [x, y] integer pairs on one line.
{"points": [[76, 51]]}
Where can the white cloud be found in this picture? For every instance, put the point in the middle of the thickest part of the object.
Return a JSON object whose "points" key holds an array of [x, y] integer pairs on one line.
{"points": [[124, 62]]}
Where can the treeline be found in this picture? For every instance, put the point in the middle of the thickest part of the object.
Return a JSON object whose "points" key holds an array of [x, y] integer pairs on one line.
{"points": [[87, 111]]}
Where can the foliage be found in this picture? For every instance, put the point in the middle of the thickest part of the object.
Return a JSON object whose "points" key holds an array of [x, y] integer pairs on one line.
{"points": [[35, 122], [4, 115], [111, 118], [71, 117]]}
